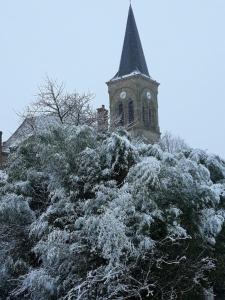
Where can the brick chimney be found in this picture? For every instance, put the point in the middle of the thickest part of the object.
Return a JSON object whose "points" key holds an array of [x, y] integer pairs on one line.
{"points": [[1, 158], [102, 119]]}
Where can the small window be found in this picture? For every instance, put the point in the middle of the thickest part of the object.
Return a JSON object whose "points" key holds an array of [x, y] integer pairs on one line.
{"points": [[154, 118], [121, 115], [149, 116], [145, 114], [131, 112]]}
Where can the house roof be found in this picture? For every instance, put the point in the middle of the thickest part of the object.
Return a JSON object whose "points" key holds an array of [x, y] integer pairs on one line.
{"points": [[27, 128]]}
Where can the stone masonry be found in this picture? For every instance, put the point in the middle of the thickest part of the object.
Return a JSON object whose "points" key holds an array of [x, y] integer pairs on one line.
{"points": [[135, 89]]}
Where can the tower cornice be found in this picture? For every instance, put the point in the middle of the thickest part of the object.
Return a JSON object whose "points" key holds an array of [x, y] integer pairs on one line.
{"points": [[130, 77]]}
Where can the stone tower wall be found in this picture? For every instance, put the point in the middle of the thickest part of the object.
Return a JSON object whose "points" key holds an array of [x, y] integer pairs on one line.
{"points": [[136, 88]]}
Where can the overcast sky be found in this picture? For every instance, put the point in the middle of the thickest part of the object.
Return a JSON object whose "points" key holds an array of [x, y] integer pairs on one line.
{"points": [[80, 43]]}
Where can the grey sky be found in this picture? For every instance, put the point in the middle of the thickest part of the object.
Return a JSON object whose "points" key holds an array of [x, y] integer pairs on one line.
{"points": [[80, 42]]}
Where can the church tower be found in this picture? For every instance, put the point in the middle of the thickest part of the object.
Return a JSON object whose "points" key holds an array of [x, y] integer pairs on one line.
{"points": [[132, 92]]}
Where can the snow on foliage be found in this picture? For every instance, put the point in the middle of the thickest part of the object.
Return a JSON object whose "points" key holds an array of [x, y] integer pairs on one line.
{"points": [[90, 216], [15, 208], [40, 285], [3, 176]]}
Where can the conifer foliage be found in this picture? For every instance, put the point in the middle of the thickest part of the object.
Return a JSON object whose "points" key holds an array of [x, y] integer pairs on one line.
{"points": [[90, 216]]}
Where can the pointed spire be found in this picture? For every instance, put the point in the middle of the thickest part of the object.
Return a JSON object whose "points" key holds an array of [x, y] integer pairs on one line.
{"points": [[132, 59]]}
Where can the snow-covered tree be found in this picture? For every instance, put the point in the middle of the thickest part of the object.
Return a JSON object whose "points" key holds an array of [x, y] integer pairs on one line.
{"points": [[90, 216]]}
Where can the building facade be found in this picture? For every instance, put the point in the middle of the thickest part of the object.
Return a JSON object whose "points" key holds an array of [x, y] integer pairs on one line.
{"points": [[133, 94]]}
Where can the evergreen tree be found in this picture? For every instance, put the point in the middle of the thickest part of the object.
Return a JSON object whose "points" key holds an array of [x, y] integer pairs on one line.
{"points": [[90, 216]]}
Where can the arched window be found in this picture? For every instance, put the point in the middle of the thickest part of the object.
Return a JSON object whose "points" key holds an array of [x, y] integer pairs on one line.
{"points": [[121, 115], [154, 118], [145, 113], [131, 112], [150, 116]]}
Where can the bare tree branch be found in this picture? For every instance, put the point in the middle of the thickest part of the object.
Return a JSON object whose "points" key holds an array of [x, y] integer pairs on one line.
{"points": [[66, 108]]}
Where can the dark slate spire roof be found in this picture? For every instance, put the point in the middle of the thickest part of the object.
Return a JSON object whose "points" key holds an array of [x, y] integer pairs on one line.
{"points": [[132, 59]]}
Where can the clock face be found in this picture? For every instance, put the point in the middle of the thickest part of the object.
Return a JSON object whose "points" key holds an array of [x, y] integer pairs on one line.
{"points": [[123, 95], [149, 95]]}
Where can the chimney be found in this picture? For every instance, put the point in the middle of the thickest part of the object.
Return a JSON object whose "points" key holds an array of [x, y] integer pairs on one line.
{"points": [[1, 159], [0, 141], [102, 119]]}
